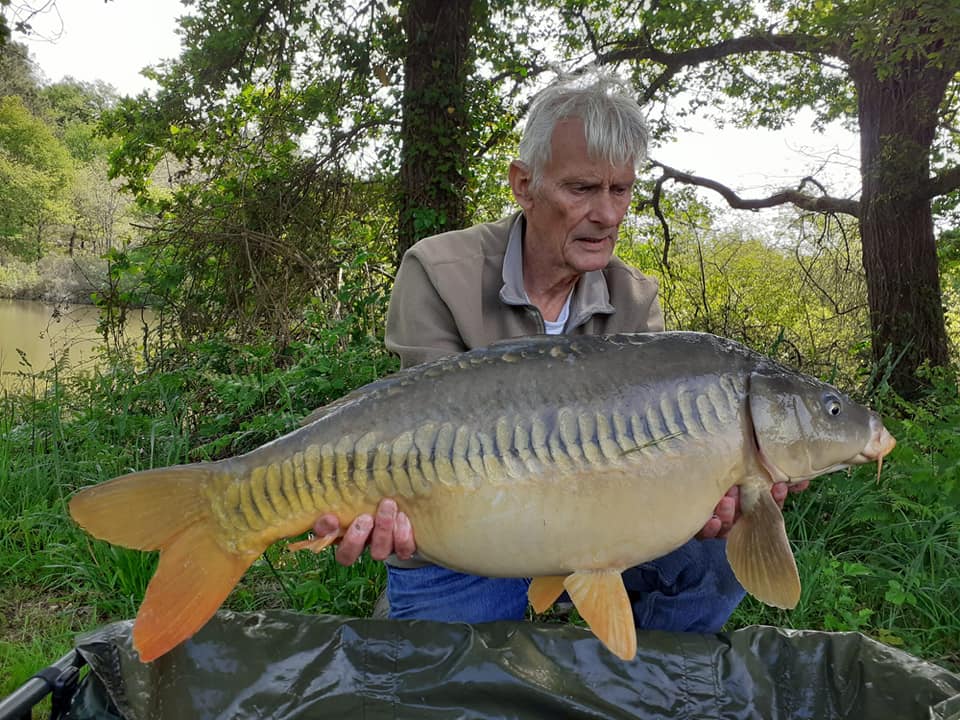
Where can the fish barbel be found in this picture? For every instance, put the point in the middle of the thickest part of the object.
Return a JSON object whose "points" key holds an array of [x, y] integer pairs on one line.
{"points": [[563, 459]]}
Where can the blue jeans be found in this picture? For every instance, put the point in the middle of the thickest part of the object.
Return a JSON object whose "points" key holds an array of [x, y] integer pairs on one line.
{"points": [[691, 589]]}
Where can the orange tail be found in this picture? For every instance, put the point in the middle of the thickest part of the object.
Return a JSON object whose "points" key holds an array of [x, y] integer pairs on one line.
{"points": [[166, 510]]}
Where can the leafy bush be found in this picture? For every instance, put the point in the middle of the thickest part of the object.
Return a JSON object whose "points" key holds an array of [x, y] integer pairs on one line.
{"points": [[54, 279]]}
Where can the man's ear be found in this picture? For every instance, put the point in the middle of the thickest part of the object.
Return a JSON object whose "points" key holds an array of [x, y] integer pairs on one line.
{"points": [[521, 179]]}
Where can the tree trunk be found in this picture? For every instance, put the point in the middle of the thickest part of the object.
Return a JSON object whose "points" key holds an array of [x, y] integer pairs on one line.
{"points": [[434, 129], [898, 117]]}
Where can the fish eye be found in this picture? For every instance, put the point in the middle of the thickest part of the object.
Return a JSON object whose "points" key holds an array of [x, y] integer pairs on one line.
{"points": [[832, 404]]}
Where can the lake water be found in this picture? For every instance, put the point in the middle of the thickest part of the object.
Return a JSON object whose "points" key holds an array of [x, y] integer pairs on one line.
{"points": [[42, 332]]}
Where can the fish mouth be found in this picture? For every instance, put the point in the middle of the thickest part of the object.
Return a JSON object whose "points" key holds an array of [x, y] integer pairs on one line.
{"points": [[880, 445]]}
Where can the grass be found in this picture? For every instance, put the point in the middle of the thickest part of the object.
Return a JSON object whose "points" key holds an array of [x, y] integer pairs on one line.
{"points": [[881, 557], [898, 582], [60, 436]]}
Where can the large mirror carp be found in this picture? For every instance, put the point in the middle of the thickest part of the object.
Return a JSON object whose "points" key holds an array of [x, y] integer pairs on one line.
{"points": [[562, 459]]}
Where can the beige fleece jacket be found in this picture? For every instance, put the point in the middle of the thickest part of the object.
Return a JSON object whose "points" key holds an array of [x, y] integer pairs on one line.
{"points": [[464, 289]]}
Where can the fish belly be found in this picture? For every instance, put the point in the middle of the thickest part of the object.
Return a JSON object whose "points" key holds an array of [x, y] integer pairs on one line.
{"points": [[616, 518]]}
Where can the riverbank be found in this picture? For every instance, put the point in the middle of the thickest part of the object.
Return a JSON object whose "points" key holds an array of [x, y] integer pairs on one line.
{"points": [[55, 279]]}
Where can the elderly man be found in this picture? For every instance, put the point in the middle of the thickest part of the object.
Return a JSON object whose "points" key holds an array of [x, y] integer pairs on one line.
{"points": [[547, 269]]}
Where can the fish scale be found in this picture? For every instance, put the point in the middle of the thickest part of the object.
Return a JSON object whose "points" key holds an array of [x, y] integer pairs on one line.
{"points": [[563, 459], [415, 462]]}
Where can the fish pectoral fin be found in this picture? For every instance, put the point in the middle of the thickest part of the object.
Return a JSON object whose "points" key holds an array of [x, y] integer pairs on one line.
{"points": [[544, 591], [601, 599], [759, 552], [316, 544]]}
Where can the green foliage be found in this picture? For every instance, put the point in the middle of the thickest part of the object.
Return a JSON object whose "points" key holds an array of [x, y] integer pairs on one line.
{"points": [[794, 290], [54, 194], [212, 399], [35, 170], [812, 48], [277, 130], [74, 108], [949, 252], [18, 75], [271, 197]]}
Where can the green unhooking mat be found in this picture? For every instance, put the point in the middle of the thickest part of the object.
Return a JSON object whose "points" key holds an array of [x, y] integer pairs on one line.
{"points": [[285, 665]]}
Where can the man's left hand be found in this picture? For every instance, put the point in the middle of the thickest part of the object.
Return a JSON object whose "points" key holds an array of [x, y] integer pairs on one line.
{"points": [[727, 511]]}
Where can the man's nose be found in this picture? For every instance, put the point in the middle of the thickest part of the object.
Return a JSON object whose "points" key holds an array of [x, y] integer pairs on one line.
{"points": [[606, 210]]}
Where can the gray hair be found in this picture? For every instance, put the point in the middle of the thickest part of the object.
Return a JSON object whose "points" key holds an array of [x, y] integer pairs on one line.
{"points": [[613, 121]]}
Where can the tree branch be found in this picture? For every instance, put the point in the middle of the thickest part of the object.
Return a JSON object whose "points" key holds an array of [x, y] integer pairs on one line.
{"points": [[658, 211], [947, 181], [591, 36], [797, 43], [823, 203]]}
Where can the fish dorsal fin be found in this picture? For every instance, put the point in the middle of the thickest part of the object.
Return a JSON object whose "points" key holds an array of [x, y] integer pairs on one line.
{"points": [[330, 407], [544, 591], [759, 551], [601, 599]]}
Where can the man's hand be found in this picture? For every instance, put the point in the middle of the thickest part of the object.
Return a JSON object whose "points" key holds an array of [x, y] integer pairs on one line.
{"points": [[728, 509], [388, 533]]}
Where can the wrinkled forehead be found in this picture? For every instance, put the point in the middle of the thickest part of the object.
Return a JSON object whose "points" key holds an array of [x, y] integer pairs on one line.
{"points": [[571, 150]]}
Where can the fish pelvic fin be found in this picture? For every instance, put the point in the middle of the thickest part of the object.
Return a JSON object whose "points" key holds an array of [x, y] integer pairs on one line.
{"points": [[601, 599], [544, 591], [167, 510], [759, 552], [315, 545]]}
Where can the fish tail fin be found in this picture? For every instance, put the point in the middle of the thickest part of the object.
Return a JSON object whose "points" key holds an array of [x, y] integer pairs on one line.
{"points": [[167, 510]]}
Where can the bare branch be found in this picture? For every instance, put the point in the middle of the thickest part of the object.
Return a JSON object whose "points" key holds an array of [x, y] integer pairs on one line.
{"points": [[658, 211], [23, 15], [808, 274], [823, 203], [591, 36]]}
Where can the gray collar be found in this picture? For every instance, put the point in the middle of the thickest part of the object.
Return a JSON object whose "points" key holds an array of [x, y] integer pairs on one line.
{"points": [[590, 296]]}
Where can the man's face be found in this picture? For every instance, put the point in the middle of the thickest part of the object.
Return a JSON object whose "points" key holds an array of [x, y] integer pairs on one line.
{"points": [[574, 213]]}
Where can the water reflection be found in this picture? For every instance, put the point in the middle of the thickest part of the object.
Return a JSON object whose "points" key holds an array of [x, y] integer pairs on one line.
{"points": [[33, 333]]}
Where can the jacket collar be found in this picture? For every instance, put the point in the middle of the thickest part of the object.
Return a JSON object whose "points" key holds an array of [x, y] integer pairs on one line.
{"points": [[591, 296]]}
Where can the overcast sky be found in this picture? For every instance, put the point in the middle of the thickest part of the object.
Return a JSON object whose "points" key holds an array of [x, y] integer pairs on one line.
{"points": [[112, 41]]}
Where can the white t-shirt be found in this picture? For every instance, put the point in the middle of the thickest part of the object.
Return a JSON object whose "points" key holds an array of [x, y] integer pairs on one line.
{"points": [[556, 327]]}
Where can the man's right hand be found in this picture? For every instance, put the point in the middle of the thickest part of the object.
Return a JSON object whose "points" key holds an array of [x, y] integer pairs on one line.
{"points": [[389, 532]]}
